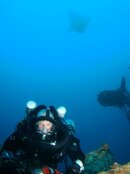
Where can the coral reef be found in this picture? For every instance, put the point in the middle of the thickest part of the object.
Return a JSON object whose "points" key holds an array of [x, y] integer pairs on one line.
{"points": [[99, 160], [118, 169]]}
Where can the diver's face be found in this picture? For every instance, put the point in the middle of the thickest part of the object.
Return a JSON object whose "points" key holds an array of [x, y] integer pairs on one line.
{"points": [[44, 126]]}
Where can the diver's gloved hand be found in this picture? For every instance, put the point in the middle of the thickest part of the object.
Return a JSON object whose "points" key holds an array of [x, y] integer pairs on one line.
{"points": [[77, 167], [7, 156], [7, 161]]}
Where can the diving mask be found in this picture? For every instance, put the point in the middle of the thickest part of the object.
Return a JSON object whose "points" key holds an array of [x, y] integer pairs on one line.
{"points": [[45, 128]]}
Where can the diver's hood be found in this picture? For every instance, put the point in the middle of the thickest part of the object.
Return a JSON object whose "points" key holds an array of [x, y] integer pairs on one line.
{"points": [[42, 112], [48, 113]]}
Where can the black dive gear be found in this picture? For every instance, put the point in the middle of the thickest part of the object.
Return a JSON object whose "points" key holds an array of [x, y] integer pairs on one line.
{"points": [[30, 149], [36, 139]]}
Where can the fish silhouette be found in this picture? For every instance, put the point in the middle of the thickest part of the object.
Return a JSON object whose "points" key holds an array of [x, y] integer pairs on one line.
{"points": [[78, 23], [116, 98]]}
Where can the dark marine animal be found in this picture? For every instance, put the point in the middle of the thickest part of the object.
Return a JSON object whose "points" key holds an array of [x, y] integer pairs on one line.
{"points": [[78, 23], [117, 98]]}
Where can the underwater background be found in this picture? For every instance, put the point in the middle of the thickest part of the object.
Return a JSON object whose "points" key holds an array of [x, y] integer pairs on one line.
{"points": [[45, 56]]}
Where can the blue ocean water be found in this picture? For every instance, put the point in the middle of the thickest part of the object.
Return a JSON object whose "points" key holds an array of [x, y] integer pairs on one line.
{"points": [[41, 59]]}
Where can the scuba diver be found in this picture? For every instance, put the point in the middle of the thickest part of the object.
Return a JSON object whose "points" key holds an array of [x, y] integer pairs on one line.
{"points": [[40, 142], [117, 98]]}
